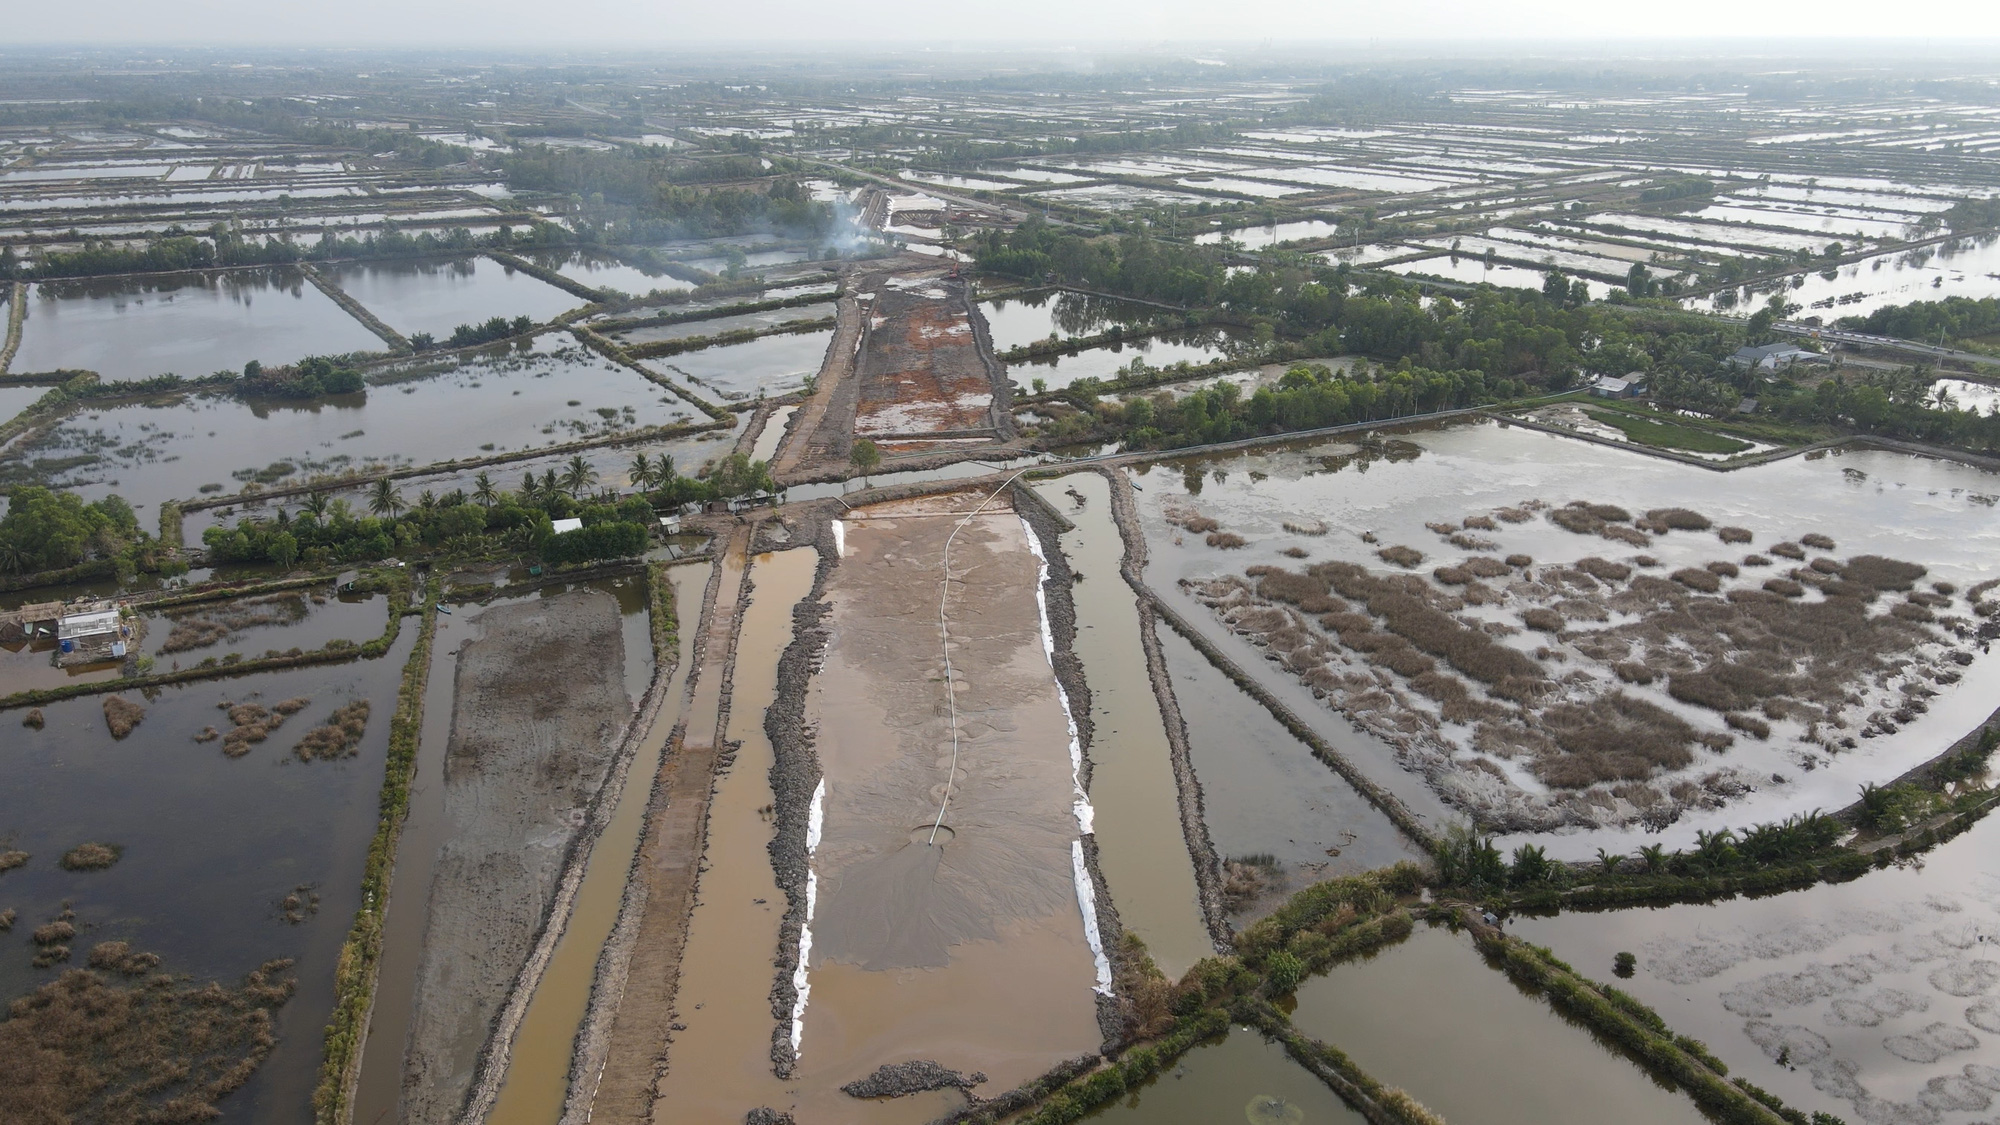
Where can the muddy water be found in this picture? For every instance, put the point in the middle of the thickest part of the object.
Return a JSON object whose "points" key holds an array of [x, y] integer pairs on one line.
{"points": [[769, 318], [13, 400], [1030, 317], [189, 323], [1876, 989], [1141, 850], [380, 1084], [353, 617], [604, 271], [773, 433], [1430, 1016], [1933, 512], [720, 1066], [1263, 792], [437, 296], [1104, 362], [971, 950], [538, 1069], [211, 845], [769, 365], [505, 399], [1218, 1083]]}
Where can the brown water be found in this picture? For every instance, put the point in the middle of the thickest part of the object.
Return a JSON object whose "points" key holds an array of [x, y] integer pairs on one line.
{"points": [[379, 1086], [766, 446], [1141, 850], [438, 295], [1263, 793], [720, 1066], [1845, 979], [1217, 1084], [538, 1067], [1430, 1016]]}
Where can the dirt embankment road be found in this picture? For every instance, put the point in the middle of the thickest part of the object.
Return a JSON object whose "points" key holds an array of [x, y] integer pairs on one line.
{"points": [[539, 706]]}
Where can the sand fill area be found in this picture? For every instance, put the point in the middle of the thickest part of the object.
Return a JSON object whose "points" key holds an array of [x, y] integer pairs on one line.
{"points": [[538, 710], [970, 951]]}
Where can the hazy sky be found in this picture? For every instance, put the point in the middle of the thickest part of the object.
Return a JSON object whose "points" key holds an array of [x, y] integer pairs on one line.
{"points": [[624, 24]]}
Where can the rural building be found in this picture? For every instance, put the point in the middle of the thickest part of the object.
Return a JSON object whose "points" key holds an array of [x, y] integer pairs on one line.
{"points": [[1772, 357], [572, 524], [1631, 386]]}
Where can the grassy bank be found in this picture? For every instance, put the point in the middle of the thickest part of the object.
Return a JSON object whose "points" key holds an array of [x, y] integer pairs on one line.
{"points": [[354, 976], [1667, 435]]}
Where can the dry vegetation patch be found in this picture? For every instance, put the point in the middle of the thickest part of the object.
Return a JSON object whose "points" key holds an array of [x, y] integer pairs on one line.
{"points": [[91, 857], [114, 1045], [121, 715], [1401, 556], [12, 858], [201, 626], [338, 736]]}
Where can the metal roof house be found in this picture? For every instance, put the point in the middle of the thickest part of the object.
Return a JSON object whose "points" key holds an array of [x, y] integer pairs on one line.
{"points": [[1631, 386], [1772, 357], [80, 626], [571, 524]]}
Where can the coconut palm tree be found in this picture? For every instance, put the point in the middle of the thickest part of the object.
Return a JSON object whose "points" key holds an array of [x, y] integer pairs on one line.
{"points": [[531, 489], [1654, 857], [483, 491], [316, 503], [13, 557], [641, 472], [578, 476], [385, 500], [663, 470], [427, 500]]}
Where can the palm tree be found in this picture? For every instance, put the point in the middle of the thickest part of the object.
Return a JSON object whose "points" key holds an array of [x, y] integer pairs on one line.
{"points": [[1654, 856], [578, 476], [641, 472], [427, 500], [385, 500], [1609, 861], [483, 491], [550, 486], [316, 503], [663, 470], [531, 489], [13, 557]]}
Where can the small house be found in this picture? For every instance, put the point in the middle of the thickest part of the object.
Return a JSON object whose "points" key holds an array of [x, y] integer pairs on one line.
{"points": [[571, 524], [670, 525], [77, 627], [1772, 357], [1631, 386]]}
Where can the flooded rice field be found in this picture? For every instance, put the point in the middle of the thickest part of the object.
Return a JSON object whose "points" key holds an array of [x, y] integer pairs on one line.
{"points": [[607, 271], [223, 863], [768, 365], [1874, 1000], [1283, 817], [1475, 271], [1021, 319], [1392, 528], [436, 296], [1242, 1077], [190, 324], [944, 921], [1058, 371], [1141, 847], [1256, 238], [512, 397], [1962, 269], [1479, 1048]]}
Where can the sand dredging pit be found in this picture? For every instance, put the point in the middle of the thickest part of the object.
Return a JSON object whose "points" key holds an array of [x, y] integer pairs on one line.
{"points": [[970, 951], [539, 706]]}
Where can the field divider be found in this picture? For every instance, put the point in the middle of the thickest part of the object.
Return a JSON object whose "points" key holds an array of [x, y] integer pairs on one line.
{"points": [[356, 309], [17, 313]]}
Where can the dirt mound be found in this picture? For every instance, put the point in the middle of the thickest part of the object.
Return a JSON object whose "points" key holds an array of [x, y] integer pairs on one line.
{"points": [[914, 1077]]}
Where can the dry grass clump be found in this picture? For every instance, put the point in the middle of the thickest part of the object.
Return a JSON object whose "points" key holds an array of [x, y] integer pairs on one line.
{"points": [[1227, 540], [1644, 561], [34, 720], [1826, 566], [1756, 560], [1401, 556], [1694, 579], [7, 917], [1817, 541], [1452, 575], [91, 857], [1543, 619], [338, 737], [1520, 562], [12, 858], [89, 1047], [1306, 527], [1748, 724], [1480, 523], [1614, 737], [1293, 552], [1628, 535], [1724, 569], [1604, 570], [1200, 525], [62, 929], [1442, 528], [1910, 611], [1734, 534], [117, 957], [1465, 542], [1509, 673], [1677, 519], [121, 715], [207, 734], [1515, 515], [1633, 672], [1576, 517], [1609, 513], [1882, 573], [1788, 551], [1784, 587], [1244, 880], [1482, 567]]}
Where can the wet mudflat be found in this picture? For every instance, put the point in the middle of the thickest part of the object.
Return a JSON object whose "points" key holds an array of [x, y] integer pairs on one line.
{"points": [[539, 705], [438, 295], [1876, 1000], [964, 946], [190, 324], [1281, 814], [506, 398], [1243, 1077], [768, 365], [1429, 1015], [212, 846], [1142, 851], [719, 1067], [1931, 512], [539, 1064]]}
